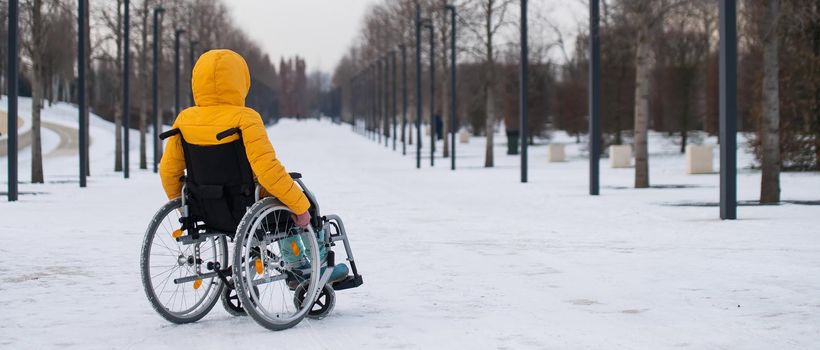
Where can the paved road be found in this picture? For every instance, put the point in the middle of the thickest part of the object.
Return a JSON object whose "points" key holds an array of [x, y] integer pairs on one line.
{"points": [[69, 140]]}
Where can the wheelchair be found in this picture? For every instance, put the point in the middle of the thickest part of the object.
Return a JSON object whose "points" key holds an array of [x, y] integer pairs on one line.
{"points": [[279, 273]]}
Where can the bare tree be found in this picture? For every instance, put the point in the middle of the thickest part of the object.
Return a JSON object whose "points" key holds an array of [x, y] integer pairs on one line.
{"points": [[112, 23], [648, 16], [35, 47], [143, 47], [486, 18]]}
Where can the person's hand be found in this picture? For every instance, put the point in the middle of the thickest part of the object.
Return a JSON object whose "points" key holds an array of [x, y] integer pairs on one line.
{"points": [[302, 220]]}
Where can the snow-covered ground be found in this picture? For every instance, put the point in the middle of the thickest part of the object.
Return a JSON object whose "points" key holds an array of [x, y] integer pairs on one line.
{"points": [[466, 259]]}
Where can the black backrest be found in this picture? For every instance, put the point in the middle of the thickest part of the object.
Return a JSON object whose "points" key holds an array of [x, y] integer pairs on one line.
{"points": [[219, 180]]}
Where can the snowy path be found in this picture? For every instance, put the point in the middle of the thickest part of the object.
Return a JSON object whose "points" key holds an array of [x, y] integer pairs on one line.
{"points": [[471, 259]]}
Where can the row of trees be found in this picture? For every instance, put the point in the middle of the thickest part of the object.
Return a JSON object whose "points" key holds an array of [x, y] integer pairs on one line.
{"points": [[48, 62], [659, 70]]}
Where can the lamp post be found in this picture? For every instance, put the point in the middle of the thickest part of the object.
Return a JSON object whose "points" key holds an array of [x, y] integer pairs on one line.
{"points": [[177, 35], [380, 92], [728, 109], [433, 130], [126, 70], [403, 99], [393, 113], [523, 90], [155, 88], [384, 127], [12, 81], [594, 97], [351, 83], [81, 87], [453, 126], [374, 98], [418, 86]]}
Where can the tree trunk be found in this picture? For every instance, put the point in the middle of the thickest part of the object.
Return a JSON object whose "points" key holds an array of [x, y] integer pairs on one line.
{"points": [[642, 81], [37, 90], [118, 112], [55, 89], [142, 126], [146, 83], [445, 111], [410, 125], [684, 122], [445, 81], [816, 40], [489, 97], [36, 139], [66, 90], [619, 111], [770, 126], [489, 85]]}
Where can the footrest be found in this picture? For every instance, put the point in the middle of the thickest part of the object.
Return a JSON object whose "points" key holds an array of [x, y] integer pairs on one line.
{"points": [[349, 282]]}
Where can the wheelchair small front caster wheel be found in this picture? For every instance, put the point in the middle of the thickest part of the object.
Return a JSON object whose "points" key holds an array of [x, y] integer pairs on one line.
{"points": [[231, 302], [324, 302]]}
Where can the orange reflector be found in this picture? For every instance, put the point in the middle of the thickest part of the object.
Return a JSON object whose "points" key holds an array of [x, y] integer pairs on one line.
{"points": [[197, 283], [260, 269], [177, 233], [295, 248]]}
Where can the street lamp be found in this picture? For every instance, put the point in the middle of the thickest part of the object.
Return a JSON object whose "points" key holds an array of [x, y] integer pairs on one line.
{"points": [[728, 109], [418, 85], [81, 87], [383, 126], [403, 49], [12, 74], [126, 102], [594, 97], [433, 130], [453, 127], [379, 111], [393, 114], [158, 11], [523, 91], [374, 98]]}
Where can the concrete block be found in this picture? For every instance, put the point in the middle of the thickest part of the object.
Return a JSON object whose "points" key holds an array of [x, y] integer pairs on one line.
{"points": [[699, 159], [464, 136], [620, 156], [556, 153]]}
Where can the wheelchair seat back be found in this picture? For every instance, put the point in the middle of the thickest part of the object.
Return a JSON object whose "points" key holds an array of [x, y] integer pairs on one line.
{"points": [[220, 184]]}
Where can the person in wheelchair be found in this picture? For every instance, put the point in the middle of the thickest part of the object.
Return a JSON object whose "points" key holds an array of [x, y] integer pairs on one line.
{"points": [[220, 82]]}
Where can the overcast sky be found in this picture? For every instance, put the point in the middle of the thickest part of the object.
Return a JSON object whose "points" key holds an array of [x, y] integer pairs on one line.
{"points": [[318, 30], [322, 30]]}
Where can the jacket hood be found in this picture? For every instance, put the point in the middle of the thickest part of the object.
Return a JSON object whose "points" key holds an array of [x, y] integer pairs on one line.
{"points": [[220, 77]]}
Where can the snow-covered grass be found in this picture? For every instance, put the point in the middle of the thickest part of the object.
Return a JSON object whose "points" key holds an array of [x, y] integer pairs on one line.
{"points": [[465, 259]]}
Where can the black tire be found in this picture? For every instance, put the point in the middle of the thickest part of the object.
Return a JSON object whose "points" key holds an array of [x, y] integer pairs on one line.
{"points": [[203, 305], [323, 305], [245, 237], [231, 302]]}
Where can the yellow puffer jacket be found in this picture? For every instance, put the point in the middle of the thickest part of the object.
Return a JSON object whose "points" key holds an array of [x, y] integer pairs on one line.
{"points": [[220, 84]]}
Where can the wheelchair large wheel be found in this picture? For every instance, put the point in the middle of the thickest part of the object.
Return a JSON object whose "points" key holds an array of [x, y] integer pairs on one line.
{"points": [[272, 258], [169, 268]]}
